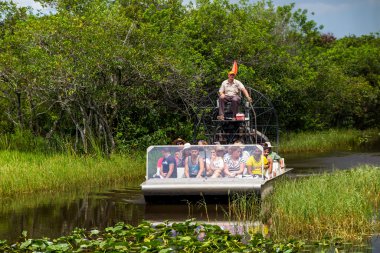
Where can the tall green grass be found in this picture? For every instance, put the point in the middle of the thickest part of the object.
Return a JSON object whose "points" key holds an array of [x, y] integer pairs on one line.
{"points": [[334, 139], [24, 140], [25, 172], [344, 204], [243, 208], [244, 212]]}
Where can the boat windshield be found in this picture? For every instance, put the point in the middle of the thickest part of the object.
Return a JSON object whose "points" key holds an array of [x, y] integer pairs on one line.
{"points": [[201, 161]]}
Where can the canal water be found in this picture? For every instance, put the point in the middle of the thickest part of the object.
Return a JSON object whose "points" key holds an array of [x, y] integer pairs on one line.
{"points": [[54, 214]]}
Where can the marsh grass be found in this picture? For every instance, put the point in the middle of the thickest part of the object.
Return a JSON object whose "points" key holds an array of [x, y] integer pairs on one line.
{"points": [[344, 204], [243, 212], [243, 207], [240, 214], [334, 139], [24, 172]]}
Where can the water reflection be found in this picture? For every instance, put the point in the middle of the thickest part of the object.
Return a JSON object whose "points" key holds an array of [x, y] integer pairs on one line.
{"points": [[187, 210], [58, 215]]}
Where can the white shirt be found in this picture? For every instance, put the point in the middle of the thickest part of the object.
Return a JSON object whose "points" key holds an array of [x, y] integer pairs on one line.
{"points": [[231, 89]]}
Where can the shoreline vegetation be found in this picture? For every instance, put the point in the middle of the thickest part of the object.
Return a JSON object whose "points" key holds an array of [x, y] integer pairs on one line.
{"points": [[342, 206], [328, 140], [23, 173], [186, 236], [26, 172]]}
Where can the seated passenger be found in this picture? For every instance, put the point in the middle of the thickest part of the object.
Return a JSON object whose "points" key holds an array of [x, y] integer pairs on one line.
{"points": [[178, 142], [269, 170], [177, 156], [202, 143], [194, 164], [185, 152], [245, 153], [169, 165], [234, 163], [257, 163], [215, 166], [208, 160], [159, 164], [277, 164]]}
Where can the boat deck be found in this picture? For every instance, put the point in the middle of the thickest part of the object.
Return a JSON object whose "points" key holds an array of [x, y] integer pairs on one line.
{"points": [[195, 186], [183, 188]]}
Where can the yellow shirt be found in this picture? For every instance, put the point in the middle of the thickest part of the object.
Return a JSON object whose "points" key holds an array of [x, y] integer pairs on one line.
{"points": [[257, 165]]}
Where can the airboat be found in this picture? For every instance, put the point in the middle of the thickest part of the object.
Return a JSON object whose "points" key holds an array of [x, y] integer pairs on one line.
{"points": [[257, 123]]}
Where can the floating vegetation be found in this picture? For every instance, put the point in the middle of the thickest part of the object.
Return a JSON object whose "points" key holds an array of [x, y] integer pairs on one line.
{"points": [[188, 236]]}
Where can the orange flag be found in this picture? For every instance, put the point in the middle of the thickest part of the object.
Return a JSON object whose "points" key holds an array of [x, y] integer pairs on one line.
{"points": [[235, 67]]}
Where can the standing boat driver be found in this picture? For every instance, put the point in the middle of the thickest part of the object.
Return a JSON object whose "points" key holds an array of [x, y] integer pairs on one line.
{"points": [[229, 92]]}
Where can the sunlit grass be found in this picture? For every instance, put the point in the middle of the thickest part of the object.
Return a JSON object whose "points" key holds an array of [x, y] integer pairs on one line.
{"points": [[24, 173], [244, 211], [335, 139], [243, 208], [344, 204]]}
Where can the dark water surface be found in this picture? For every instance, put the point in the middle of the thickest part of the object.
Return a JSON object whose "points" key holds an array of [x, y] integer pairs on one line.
{"points": [[54, 215], [305, 164]]}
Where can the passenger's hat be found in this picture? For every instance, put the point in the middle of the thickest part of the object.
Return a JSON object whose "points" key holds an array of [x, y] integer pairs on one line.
{"points": [[231, 73], [186, 146], [268, 144]]}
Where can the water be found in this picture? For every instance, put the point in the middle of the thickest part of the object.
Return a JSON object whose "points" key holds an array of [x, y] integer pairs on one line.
{"points": [[54, 215], [59, 214], [305, 164]]}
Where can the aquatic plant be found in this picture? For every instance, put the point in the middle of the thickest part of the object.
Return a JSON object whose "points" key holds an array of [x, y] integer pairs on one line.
{"points": [[188, 236], [343, 204], [244, 206]]}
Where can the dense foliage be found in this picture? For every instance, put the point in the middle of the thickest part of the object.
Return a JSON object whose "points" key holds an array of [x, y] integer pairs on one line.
{"points": [[112, 74]]}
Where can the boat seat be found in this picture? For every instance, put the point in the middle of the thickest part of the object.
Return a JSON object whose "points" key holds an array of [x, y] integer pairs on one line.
{"points": [[227, 108]]}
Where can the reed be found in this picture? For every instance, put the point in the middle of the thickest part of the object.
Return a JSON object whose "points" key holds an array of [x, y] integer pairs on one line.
{"points": [[242, 213], [243, 208], [24, 173], [328, 140], [344, 204]]}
